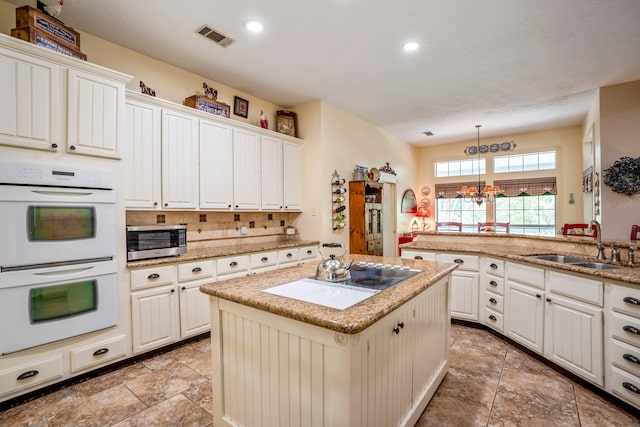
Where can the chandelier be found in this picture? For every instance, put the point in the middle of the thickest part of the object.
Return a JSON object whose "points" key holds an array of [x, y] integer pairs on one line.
{"points": [[479, 194]]}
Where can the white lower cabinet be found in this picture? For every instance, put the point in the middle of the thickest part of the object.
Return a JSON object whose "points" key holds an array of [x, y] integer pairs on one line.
{"points": [[492, 283], [524, 305], [465, 286], [195, 316], [154, 317]]}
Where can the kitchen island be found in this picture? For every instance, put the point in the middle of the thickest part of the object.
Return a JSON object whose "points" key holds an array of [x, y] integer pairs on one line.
{"points": [[279, 361]]}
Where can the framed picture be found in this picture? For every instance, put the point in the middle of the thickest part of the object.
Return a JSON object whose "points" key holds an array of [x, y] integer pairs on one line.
{"points": [[287, 122], [240, 107]]}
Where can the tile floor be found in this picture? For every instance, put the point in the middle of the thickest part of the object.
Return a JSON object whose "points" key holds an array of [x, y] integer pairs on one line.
{"points": [[490, 383]]}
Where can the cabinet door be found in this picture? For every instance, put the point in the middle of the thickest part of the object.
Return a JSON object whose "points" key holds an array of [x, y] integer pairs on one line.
{"points": [[179, 160], [154, 317], [141, 155], [30, 104], [272, 187], [95, 122], [292, 175], [573, 337], [195, 315], [246, 170], [464, 295], [216, 166], [524, 311]]}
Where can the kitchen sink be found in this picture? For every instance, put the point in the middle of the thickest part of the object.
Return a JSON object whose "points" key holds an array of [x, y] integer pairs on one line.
{"points": [[577, 261]]}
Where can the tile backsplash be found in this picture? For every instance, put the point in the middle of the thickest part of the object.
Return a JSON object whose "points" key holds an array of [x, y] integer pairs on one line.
{"points": [[219, 227]]}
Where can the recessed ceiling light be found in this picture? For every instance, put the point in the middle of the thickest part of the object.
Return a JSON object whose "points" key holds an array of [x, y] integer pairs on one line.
{"points": [[411, 46], [254, 26]]}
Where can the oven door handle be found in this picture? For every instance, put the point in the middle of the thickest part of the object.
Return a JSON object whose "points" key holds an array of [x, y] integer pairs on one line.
{"points": [[63, 193], [63, 272]]}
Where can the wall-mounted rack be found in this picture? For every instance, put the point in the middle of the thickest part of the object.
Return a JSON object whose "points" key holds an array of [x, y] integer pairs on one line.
{"points": [[338, 197]]}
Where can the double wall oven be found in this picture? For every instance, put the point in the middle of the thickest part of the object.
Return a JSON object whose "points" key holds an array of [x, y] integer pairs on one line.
{"points": [[58, 274]]}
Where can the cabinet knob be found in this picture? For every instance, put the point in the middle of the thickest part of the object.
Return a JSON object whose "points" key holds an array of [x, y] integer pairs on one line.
{"points": [[631, 329], [548, 299], [631, 358], [173, 290], [493, 283], [153, 276], [72, 148], [229, 206], [183, 288], [289, 255], [493, 301], [264, 259], [101, 351], [401, 324], [54, 145], [631, 300], [538, 296], [631, 387], [493, 265], [396, 330], [166, 204], [458, 261], [155, 203], [233, 264], [196, 270], [28, 374], [492, 317], [309, 252]]}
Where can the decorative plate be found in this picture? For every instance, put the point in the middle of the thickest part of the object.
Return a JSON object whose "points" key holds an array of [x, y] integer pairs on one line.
{"points": [[624, 176], [494, 147], [425, 191], [483, 149], [505, 146], [472, 150], [425, 203]]}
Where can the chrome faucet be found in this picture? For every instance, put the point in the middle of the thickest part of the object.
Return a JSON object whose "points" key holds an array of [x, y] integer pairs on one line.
{"points": [[600, 255]]}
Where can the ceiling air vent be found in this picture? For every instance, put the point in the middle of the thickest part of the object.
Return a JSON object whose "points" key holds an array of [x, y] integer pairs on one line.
{"points": [[428, 133], [216, 37]]}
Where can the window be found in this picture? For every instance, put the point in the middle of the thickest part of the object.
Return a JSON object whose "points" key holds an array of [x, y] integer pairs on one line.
{"points": [[525, 162], [450, 206], [529, 205], [460, 168], [528, 214]]}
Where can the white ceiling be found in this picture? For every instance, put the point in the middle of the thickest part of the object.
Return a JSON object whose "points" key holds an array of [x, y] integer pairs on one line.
{"points": [[511, 65]]}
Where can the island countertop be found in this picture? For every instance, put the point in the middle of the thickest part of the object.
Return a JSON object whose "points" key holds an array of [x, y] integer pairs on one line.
{"points": [[249, 291]]}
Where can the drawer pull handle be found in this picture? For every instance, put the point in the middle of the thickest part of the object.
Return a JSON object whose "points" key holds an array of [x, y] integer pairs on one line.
{"points": [[631, 358], [101, 351], [492, 317], [631, 300], [196, 270], [631, 387], [289, 255], [493, 283], [493, 301], [309, 252], [417, 257], [493, 265], [458, 261], [631, 329], [28, 374], [153, 276], [233, 264], [264, 259]]}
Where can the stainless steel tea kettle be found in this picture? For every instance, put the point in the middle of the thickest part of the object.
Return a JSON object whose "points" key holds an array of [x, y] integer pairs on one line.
{"points": [[333, 269]]}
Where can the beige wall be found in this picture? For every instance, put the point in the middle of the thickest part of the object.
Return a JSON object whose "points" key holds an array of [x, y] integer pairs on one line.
{"points": [[567, 142], [619, 137]]}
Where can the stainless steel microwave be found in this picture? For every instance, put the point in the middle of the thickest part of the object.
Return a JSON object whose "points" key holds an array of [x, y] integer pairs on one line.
{"points": [[155, 241]]}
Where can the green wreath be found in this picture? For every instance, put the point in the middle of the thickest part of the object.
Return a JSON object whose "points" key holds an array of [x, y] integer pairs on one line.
{"points": [[624, 176]]}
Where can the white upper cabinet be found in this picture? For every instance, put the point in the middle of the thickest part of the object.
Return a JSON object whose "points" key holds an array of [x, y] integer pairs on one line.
{"points": [[179, 160], [95, 115], [292, 175], [272, 174], [216, 165], [141, 155], [29, 105], [246, 170]]}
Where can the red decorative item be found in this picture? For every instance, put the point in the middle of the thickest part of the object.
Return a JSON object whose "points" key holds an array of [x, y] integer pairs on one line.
{"points": [[264, 122]]}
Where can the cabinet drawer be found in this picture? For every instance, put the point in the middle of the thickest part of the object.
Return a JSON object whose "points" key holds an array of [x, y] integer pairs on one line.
{"points": [[494, 320], [288, 256], [527, 274], [495, 284], [309, 252], [625, 356], [232, 264], [26, 376], [97, 354], [625, 386], [413, 254], [494, 301], [625, 328], [623, 299], [196, 270], [494, 266], [263, 259], [465, 262], [150, 277], [580, 288]]}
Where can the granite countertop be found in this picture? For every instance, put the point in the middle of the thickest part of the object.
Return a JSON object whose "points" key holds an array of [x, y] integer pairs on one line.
{"points": [[248, 291], [529, 245], [217, 251]]}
